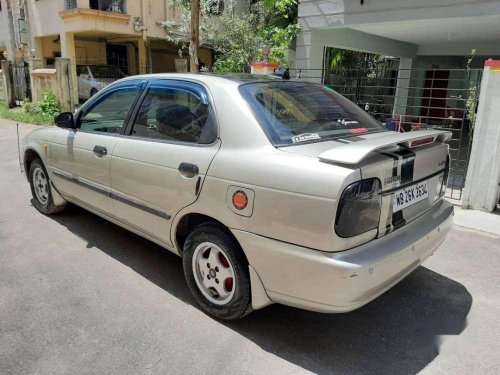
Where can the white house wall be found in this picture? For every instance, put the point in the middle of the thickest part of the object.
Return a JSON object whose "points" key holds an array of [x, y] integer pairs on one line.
{"points": [[4, 28], [334, 13]]}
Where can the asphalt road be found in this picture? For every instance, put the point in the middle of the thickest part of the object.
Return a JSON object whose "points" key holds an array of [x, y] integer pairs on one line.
{"points": [[79, 295]]}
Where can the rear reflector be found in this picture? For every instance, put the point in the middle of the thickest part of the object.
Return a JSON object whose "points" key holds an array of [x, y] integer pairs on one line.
{"points": [[240, 200], [421, 142]]}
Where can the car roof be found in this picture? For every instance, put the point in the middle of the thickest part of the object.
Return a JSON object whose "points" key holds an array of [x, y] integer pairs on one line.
{"points": [[243, 78], [208, 77]]}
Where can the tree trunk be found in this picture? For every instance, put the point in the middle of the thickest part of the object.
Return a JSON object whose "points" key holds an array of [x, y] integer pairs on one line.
{"points": [[195, 35]]}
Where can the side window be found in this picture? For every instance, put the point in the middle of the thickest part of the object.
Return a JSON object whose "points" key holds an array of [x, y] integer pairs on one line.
{"points": [[175, 115], [108, 113]]}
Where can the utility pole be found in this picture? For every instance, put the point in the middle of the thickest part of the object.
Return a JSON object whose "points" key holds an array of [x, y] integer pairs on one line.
{"points": [[195, 35]]}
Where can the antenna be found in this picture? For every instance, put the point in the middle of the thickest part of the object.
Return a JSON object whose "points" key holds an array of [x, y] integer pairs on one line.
{"points": [[19, 149]]}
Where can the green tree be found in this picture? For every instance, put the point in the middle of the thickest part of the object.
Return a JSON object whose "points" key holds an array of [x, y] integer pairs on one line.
{"points": [[235, 36]]}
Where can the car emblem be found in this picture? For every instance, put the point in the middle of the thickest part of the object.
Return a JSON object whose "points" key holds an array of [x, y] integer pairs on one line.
{"points": [[392, 180]]}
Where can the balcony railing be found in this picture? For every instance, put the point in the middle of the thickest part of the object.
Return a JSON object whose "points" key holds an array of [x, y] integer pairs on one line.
{"points": [[117, 6]]}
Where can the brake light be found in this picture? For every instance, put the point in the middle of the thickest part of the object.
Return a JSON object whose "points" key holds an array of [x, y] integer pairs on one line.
{"points": [[359, 208], [421, 142], [359, 130]]}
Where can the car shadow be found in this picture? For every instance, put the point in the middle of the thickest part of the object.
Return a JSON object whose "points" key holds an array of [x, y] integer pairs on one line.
{"points": [[398, 332]]}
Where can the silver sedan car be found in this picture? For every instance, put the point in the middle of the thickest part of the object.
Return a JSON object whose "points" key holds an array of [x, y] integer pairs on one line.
{"points": [[271, 191]]}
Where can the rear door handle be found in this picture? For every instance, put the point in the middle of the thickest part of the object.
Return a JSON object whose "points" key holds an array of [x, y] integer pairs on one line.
{"points": [[188, 169], [100, 151]]}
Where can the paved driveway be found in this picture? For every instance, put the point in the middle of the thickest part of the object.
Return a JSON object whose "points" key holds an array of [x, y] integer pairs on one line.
{"points": [[79, 295]]}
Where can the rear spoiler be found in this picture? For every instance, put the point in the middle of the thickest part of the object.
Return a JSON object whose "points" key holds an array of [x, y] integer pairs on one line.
{"points": [[353, 153]]}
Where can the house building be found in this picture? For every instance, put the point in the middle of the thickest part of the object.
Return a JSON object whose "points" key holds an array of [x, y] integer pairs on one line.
{"points": [[123, 33]]}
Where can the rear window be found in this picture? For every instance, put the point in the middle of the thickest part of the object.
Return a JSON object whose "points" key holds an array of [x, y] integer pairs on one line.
{"points": [[298, 112], [106, 72]]}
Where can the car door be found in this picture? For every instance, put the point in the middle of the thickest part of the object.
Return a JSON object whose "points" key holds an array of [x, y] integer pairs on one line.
{"points": [[79, 71], [159, 167], [80, 159]]}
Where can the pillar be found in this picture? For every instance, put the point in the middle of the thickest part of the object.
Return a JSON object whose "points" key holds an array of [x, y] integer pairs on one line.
{"points": [[6, 67], [38, 47], [309, 57], [402, 86], [481, 191], [142, 59], [66, 99], [68, 51], [35, 63]]}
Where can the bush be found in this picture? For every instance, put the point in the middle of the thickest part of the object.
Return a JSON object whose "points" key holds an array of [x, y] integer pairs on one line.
{"points": [[29, 107], [48, 105], [41, 113]]}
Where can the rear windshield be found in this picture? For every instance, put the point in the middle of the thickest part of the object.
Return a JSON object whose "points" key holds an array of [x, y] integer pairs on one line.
{"points": [[298, 112], [106, 72]]}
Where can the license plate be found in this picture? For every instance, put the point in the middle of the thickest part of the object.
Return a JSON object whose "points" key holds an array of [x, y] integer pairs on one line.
{"points": [[410, 195]]}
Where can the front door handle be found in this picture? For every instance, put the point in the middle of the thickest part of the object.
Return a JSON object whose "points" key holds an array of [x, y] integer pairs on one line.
{"points": [[188, 169], [100, 151]]}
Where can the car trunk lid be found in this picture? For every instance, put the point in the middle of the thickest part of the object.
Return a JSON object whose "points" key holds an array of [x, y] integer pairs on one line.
{"points": [[410, 167]]}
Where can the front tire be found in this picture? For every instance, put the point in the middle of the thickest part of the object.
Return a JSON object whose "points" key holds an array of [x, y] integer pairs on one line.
{"points": [[42, 190], [216, 272]]}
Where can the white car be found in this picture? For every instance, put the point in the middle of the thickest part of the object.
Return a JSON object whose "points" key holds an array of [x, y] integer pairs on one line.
{"points": [[270, 190], [93, 78]]}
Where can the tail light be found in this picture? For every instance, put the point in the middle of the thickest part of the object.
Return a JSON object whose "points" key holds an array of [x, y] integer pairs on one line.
{"points": [[359, 208]]}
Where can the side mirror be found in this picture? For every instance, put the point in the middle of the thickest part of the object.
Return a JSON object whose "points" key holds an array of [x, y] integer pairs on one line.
{"points": [[65, 120]]}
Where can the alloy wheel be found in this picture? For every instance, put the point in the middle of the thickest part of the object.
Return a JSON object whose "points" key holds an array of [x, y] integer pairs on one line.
{"points": [[213, 273], [41, 185]]}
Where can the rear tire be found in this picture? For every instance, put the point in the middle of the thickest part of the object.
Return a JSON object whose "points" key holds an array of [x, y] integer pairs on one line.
{"points": [[41, 189], [216, 272]]}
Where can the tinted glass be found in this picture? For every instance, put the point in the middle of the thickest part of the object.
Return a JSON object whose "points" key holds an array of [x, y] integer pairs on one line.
{"points": [[173, 114], [82, 70], [297, 112], [106, 71], [109, 111]]}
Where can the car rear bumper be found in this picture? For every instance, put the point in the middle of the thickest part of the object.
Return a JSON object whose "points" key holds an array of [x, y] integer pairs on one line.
{"points": [[344, 281]]}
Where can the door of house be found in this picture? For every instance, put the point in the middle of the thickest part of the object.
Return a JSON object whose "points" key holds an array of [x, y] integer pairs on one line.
{"points": [[434, 96], [117, 55]]}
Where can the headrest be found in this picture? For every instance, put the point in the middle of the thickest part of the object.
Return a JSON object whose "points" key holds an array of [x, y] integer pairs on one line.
{"points": [[174, 115]]}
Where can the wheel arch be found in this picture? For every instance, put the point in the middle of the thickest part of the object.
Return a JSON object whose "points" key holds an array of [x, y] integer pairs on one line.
{"points": [[30, 154], [189, 221]]}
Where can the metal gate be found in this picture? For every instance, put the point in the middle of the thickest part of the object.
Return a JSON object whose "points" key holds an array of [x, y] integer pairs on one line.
{"points": [[21, 83], [415, 99]]}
